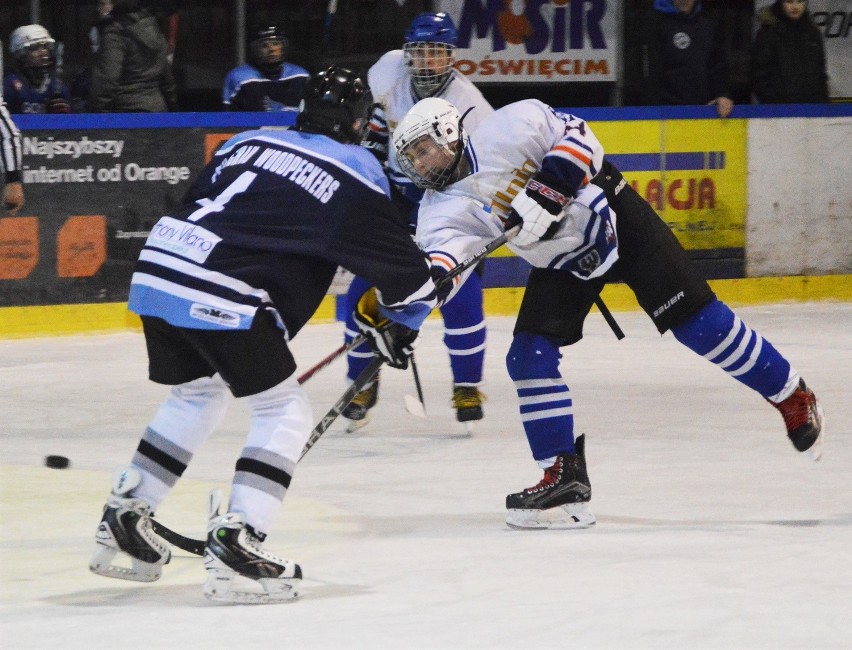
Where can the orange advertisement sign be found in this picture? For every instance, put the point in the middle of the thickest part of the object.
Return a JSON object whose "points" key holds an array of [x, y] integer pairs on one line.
{"points": [[212, 141], [18, 247], [81, 246]]}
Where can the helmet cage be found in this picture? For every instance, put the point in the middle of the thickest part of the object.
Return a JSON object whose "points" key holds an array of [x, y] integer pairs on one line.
{"points": [[430, 64], [429, 143]]}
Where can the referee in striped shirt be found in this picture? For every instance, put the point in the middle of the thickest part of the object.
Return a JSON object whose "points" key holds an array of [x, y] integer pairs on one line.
{"points": [[10, 157]]}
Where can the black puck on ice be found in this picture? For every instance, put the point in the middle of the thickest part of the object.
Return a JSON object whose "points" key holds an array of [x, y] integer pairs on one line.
{"points": [[57, 462]]}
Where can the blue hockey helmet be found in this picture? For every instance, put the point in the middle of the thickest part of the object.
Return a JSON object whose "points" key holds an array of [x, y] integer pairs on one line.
{"points": [[432, 27], [430, 43], [337, 102]]}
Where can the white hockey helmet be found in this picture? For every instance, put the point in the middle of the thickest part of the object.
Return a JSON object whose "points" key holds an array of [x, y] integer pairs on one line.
{"points": [[25, 40], [429, 143]]}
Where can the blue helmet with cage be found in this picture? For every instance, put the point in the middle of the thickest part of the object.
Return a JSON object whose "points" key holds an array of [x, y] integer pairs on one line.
{"points": [[430, 44]]}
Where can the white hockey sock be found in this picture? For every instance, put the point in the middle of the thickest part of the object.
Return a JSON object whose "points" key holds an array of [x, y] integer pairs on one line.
{"points": [[281, 421], [182, 424]]}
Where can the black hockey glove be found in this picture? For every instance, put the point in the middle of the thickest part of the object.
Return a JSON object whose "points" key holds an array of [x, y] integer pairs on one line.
{"points": [[540, 207], [393, 342]]}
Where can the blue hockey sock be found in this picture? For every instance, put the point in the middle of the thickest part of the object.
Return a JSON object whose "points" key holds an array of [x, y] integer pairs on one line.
{"points": [[719, 335], [464, 332], [545, 403]]}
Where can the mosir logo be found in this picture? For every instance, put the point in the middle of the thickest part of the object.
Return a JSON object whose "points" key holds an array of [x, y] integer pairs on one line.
{"points": [[182, 238], [535, 40]]}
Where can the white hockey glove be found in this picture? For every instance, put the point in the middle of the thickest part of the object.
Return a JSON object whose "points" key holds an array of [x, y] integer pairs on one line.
{"points": [[540, 207], [393, 342]]}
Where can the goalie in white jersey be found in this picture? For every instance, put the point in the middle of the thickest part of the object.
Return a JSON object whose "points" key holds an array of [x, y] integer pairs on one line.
{"points": [[582, 225], [400, 78]]}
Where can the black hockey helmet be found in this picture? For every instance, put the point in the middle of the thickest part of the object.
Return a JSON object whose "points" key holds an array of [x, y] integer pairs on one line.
{"points": [[267, 48], [337, 102]]}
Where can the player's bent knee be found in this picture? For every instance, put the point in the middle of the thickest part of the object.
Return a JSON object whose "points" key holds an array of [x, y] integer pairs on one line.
{"points": [[208, 393], [532, 356], [288, 398], [703, 331]]}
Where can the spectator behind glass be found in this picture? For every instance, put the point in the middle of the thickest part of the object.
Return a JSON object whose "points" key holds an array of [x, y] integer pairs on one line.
{"points": [[788, 56], [683, 61], [104, 8], [131, 73], [33, 86], [267, 82], [81, 84]]}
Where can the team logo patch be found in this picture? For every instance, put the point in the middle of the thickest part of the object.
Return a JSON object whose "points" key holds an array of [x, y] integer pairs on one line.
{"points": [[590, 261], [215, 315]]}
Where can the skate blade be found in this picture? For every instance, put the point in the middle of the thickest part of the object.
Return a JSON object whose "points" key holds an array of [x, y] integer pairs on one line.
{"points": [[569, 516], [138, 571], [220, 587]]}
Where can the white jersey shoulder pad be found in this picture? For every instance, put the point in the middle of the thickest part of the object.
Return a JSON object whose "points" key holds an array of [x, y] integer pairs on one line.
{"points": [[385, 74]]}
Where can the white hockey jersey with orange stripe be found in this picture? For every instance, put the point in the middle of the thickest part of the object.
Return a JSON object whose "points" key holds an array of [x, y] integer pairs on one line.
{"points": [[508, 148]]}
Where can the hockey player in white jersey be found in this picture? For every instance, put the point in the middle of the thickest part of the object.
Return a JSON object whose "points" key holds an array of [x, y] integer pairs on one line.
{"points": [[400, 78], [222, 285], [582, 225]]}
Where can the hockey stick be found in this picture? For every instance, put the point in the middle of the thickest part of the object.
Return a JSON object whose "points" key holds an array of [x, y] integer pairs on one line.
{"points": [[416, 407], [188, 544], [608, 317], [196, 546], [358, 340], [342, 402]]}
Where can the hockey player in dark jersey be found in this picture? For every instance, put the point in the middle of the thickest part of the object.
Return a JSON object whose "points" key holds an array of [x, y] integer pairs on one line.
{"points": [[582, 226], [267, 82], [222, 285]]}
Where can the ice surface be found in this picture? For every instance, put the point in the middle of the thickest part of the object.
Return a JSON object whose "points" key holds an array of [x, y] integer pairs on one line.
{"points": [[712, 531]]}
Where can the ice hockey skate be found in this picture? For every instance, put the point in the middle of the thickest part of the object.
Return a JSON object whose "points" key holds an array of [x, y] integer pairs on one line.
{"points": [[803, 418], [125, 531], [239, 570], [565, 486], [357, 412], [467, 400]]}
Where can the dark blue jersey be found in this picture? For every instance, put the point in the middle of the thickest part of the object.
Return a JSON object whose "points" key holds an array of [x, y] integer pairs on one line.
{"points": [[266, 225], [22, 97], [247, 89]]}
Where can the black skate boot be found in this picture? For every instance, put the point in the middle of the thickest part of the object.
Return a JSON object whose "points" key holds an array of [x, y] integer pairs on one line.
{"points": [[357, 412], [125, 530], [467, 400], [803, 418], [233, 549], [565, 485]]}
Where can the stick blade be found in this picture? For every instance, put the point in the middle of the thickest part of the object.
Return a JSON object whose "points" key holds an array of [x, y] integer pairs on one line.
{"points": [[415, 406]]}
